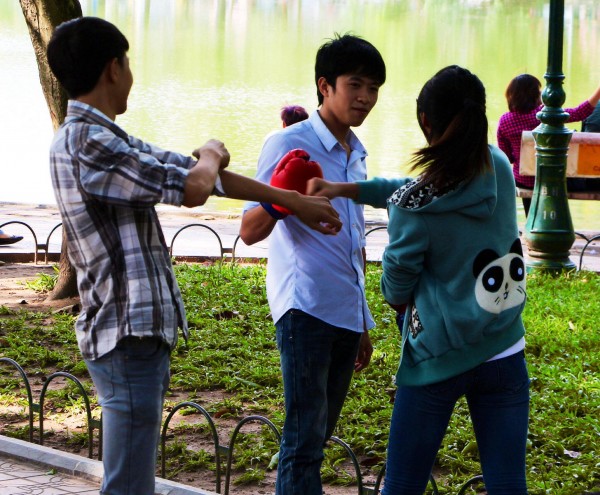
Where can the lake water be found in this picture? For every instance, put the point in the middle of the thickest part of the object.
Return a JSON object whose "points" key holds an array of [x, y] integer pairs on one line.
{"points": [[224, 68]]}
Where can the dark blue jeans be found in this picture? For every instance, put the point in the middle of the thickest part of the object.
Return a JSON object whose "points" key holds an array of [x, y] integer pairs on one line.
{"points": [[317, 363], [497, 394], [131, 382]]}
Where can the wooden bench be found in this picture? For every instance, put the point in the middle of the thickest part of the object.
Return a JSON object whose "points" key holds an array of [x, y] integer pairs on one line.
{"points": [[583, 161], [582, 195]]}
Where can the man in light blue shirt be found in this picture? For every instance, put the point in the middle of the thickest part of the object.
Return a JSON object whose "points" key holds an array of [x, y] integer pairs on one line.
{"points": [[315, 283]]}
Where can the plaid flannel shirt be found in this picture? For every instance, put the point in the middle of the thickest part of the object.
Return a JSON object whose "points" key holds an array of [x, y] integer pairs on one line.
{"points": [[511, 127], [106, 185]]}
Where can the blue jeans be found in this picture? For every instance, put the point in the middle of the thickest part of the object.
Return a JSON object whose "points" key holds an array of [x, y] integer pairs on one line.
{"points": [[131, 382], [317, 363], [497, 394]]}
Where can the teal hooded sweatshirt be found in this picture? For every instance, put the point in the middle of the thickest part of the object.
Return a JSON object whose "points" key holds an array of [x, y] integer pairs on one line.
{"points": [[456, 259]]}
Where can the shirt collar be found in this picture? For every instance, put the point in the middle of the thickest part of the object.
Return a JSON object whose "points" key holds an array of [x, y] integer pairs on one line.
{"points": [[329, 140], [77, 110]]}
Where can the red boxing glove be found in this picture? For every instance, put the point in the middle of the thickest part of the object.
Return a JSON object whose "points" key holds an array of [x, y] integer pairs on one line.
{"points": [[292, 172]]}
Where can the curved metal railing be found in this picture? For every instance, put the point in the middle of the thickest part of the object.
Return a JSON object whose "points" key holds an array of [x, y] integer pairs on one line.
{"points": [[219, 450], [232, 252], [91, 423]]}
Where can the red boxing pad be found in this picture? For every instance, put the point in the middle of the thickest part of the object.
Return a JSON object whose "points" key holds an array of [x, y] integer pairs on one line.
{"points": [[292, 172]]}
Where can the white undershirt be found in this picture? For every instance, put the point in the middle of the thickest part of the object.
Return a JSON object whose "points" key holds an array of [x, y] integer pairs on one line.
{"points": [[218, 189], [513, 349]]}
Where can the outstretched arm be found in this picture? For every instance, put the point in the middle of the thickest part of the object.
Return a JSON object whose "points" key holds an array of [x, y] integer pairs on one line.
{"points": [[200, 182], [322, 187], [316, 212], [373, 192]]}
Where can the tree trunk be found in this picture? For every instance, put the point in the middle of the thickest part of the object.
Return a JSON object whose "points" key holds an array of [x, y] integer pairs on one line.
{"points": [[42, 17]]}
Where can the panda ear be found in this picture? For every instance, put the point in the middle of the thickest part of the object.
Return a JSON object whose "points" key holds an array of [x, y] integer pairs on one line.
{"points": [[483, 259], [517, 248]]}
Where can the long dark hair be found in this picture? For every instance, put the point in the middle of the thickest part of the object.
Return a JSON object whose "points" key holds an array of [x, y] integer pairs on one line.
{"points": [[523, 93], [453, 105]]}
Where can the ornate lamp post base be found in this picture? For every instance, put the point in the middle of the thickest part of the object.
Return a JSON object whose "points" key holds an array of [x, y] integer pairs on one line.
{"points": [[551, 265], [549, 230]]}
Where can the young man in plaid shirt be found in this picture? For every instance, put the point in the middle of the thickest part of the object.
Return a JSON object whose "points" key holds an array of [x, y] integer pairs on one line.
{"points": [[106, 185]]}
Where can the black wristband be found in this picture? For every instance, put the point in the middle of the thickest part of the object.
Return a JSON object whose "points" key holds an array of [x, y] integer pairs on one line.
{"points": [[277, 215]]}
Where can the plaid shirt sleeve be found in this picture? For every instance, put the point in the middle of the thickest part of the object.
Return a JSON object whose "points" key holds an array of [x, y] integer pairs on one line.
{"points": [[123, 170]]}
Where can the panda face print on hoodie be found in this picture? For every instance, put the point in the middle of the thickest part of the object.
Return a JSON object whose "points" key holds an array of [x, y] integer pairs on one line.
{"points": [[500, 281]]}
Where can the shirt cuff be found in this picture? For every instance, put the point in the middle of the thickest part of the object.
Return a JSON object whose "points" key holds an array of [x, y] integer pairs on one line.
{"points": [[277, 215], [218, 189]]}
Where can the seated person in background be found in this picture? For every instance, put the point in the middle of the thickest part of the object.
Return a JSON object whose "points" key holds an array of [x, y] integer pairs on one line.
{"points": [[6, 239], [524, 99], [292, 114]]}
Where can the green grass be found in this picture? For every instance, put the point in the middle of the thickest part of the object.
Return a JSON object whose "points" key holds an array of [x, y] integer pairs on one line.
{"points": [[44, 282], [232, 350]]}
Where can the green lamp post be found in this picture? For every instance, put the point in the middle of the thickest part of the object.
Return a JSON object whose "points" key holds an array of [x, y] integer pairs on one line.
{"points": [[549, 230]]}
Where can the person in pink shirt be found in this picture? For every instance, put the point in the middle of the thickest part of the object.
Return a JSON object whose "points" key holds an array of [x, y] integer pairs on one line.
{"points": [[524, 99]]}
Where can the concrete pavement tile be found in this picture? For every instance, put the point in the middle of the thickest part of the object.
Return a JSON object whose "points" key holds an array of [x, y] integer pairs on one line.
{"points": [[65, 483], [11, 486]]}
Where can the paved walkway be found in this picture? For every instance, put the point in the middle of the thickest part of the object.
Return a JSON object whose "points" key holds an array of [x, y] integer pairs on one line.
{"points": [[194, 241], [215, 238], [24, 476], [27, 468]]}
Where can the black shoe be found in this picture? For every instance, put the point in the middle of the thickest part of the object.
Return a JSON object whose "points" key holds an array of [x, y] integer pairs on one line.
{"points": [[10, 240]]}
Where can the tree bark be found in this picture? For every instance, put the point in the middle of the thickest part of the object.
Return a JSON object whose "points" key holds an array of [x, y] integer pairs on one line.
{"points": [[42, 17]]}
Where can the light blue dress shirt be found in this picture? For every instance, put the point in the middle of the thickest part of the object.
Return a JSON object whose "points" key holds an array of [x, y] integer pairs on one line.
{"points": [[321, 275]]}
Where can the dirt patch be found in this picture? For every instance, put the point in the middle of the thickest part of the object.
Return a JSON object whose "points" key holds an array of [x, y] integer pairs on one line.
{"points": [[15, 293]]}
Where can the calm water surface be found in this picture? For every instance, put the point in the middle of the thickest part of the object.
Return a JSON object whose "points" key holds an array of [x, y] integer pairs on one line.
{"points": [[224, 68]]}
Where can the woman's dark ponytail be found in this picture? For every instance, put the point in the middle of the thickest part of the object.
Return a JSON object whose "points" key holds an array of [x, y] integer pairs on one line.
{"points": [[452, 104]]}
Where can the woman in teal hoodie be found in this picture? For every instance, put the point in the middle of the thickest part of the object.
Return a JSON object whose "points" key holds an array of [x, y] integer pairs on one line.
{"points": [[454, 269]]}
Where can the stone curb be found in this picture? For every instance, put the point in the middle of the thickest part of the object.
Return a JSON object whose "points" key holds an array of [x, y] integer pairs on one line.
{"points": [[79, 467]]}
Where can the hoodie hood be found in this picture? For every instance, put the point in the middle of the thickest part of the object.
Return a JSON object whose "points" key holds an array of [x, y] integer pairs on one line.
{"points": [[476, 198]]}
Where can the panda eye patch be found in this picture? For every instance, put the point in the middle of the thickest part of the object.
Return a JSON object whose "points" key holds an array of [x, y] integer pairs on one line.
{"points": [[492, 279], [517, 269]]}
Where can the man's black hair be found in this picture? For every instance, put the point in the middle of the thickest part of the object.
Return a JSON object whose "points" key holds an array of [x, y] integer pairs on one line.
{"points": [[348, 54], [79, 51]]}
